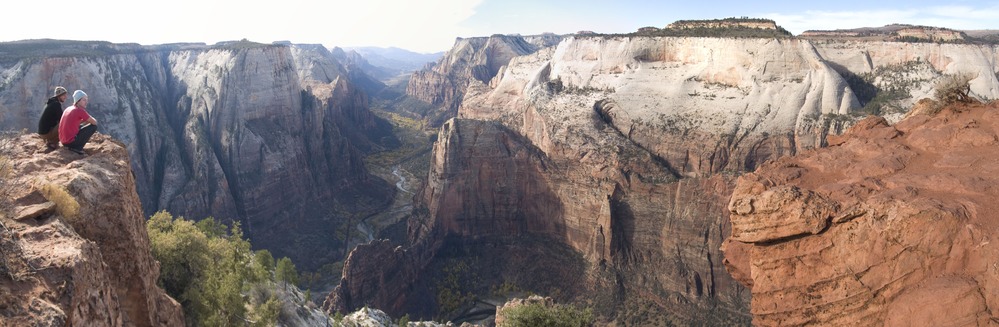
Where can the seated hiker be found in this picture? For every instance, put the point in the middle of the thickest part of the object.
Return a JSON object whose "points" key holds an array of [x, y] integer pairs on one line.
{"points": [[48, 124], [77, 126]]}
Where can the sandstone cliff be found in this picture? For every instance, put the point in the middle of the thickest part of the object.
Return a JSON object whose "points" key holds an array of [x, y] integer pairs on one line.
{"points": [[74, 247], [443, 84], [625, 149], [268, 135], [889, 226]]}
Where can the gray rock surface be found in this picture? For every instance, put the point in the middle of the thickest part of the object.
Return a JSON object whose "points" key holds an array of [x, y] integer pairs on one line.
{"points": [[267, 135]]}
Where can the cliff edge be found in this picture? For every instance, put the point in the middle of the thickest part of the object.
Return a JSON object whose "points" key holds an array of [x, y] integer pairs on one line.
{"points": [[73, 242], [888, 226]]}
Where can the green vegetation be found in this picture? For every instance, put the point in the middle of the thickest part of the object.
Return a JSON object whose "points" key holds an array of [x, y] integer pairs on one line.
{"points": [[208, 267], [266, 314], [285, 272], [538, 314], [882, 90], [556, 86], [742, 19], [449, 288]]}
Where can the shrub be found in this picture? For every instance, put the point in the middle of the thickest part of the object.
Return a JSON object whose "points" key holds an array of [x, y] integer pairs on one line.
{"points": [[537, 314], [954, 88], [267, 313], [66, 204], [263, 266], [6, 143], [204, 272], [285, 272]]}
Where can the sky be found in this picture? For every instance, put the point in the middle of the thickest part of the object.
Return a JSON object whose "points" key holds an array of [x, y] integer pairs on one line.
{"points": [[432, 25]]}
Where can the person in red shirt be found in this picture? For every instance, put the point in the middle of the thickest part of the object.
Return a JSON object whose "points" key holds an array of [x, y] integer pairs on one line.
{"points": [[77, 126]]}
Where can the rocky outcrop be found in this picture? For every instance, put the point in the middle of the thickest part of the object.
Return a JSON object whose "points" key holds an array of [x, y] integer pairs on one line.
{"points": [[87, 261], [888, 226], [443, 84], [376, 270], [271, 136]]}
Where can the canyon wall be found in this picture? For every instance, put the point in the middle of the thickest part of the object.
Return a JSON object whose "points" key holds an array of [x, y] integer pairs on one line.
{"points": [[622, 147], [442, 85], [271, 136]]}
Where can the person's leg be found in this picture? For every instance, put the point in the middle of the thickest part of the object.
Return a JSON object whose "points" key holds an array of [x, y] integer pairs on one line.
{"points": [[51, 138], [82, 138]]}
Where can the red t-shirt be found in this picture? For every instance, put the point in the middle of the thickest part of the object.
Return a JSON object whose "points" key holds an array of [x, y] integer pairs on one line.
{"points": [[69, 126]]}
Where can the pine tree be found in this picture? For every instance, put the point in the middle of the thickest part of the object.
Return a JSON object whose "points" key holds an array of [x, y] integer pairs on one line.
{"points": [[285, 272]]}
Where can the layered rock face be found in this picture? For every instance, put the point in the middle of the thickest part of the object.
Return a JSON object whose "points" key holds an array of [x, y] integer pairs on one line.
{"points": [[271, 136], [889, 226], [443, 84], [703, 105], [625, 149], [88, 261]]}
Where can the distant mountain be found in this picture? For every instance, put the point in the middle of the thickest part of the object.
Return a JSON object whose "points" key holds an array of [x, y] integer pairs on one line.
{"points": [[908, 33], [400, 60], [362, 73]]}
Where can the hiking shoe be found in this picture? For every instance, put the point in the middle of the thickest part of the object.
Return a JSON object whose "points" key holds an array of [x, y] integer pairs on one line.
{"points": [[77, 151], [51, 146]]}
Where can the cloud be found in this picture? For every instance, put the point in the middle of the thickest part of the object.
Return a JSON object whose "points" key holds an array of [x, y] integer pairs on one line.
{"points": [[977, 15], [957, 17]]}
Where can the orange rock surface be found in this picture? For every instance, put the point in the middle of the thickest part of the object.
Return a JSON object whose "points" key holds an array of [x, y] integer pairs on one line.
{"points": [[889, 225]]}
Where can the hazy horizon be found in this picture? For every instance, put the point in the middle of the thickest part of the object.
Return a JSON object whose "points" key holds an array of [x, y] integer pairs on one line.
{"points": [[432, 26]]}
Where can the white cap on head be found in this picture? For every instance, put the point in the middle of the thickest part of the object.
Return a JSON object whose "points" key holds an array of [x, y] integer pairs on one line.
{"points": [[77, 95]]}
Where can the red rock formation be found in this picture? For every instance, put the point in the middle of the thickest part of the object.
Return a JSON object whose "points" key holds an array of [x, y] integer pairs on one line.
{"points": [[368, 268], [88, 262], [890, 225], [650, 239]]}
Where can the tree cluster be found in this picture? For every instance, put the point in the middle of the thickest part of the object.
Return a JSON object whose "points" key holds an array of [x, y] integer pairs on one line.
{"points": [[209, 268], [538, 314]]}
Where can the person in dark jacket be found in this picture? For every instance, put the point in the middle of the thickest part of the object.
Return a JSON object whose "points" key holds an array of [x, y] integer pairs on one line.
{"points": [[48, 124]]}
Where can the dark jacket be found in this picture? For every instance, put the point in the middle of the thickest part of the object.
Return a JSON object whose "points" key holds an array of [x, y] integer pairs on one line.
{"points": [[50, 117]]}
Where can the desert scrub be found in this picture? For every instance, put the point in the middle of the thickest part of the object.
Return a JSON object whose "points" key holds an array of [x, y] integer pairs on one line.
{"points": [[954, 88], [66, 204], [538, 314], [6, 141]]}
